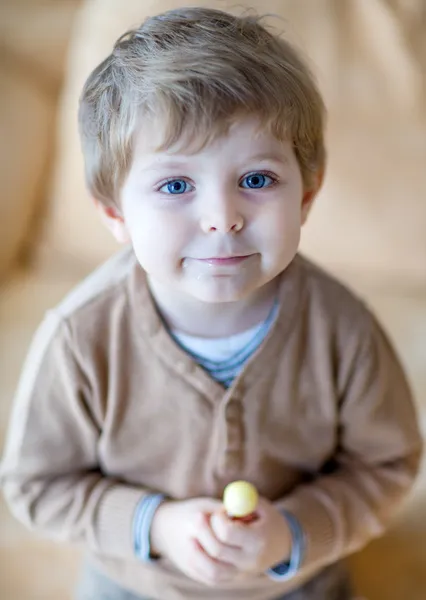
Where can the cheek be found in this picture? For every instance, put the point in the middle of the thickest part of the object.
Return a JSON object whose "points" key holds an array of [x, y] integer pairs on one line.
{"points": [[157, 238], [280, 226]]}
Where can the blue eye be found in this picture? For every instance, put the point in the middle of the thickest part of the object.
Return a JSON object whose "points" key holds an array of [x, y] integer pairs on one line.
{"points": [[176, 187], [256, 181]]}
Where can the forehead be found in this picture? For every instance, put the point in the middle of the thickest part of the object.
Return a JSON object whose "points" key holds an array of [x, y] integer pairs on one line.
{"points": [[246, 136]]}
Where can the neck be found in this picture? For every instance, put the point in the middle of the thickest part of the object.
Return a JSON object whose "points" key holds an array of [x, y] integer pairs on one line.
{"points": [[192, 316]]}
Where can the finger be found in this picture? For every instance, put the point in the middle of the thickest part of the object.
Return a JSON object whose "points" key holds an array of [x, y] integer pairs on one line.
{"points": [[204, 506], [263, 514], [228, 531], [201, 509], [209, 505], [263, 508], [247, 538], [210, 570], [215, 548]]}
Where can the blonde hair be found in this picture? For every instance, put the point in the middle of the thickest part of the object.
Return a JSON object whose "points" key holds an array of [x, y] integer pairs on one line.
{"points": [[196, 71]]}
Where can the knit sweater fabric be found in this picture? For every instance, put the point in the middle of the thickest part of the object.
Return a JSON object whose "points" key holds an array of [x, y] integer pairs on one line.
{"points": [[110, 409]]}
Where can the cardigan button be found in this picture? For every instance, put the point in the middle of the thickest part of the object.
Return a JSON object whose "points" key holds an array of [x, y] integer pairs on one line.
{"points": [[233, 411], [233, 460]]}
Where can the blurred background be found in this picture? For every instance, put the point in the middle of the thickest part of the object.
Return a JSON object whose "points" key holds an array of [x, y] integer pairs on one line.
{"points": [[368, 226]]}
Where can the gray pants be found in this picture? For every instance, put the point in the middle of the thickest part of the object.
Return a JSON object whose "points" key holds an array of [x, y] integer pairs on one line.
{"points": [[331, 584]]}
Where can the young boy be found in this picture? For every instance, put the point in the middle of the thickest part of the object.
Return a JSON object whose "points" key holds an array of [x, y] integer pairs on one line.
{"points": [[210, 350]]}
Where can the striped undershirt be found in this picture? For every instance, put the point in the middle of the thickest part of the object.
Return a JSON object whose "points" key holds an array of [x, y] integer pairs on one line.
{"points": [[224, 358]]}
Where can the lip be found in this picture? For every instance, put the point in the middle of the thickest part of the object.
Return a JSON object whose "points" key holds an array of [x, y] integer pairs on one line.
{"points": [[224, 261]]}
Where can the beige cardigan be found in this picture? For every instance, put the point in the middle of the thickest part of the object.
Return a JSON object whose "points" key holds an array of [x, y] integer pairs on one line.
{"points": [[109, 409]]}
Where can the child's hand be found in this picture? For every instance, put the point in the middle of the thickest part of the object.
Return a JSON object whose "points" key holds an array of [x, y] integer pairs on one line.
{"points": [[181, 531], [259, 545]]}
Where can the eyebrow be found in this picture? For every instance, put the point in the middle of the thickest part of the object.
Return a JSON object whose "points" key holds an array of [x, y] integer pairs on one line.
{"points": [[178, 164], [269, 156], [169, 164]]}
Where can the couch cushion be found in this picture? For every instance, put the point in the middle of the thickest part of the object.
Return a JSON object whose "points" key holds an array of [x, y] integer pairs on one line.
{"points": [[35, 32], [33, 38], [26, 131]]}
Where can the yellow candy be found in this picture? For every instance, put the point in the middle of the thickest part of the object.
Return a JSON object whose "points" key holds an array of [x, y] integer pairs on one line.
{"points": [[240, 499]]}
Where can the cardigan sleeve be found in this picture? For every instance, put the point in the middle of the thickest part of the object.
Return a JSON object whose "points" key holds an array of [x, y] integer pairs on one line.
{"points": [[50, 472], [376, 462]]}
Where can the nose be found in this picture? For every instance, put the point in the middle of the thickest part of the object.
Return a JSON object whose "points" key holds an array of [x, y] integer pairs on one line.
{"points": [[221, 216]]}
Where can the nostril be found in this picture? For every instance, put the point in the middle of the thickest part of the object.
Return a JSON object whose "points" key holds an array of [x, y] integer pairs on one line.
{"points": [[237, 226]]}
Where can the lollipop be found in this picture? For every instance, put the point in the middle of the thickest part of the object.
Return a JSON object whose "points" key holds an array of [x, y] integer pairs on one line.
{"points": [[240, 499]]}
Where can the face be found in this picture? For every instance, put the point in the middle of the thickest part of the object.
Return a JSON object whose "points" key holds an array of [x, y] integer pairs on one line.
{"points": [[218, 224]]}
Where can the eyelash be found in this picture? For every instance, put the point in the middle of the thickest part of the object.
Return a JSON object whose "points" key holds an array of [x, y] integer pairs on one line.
{"points": [[272, 176], [171, 180]]}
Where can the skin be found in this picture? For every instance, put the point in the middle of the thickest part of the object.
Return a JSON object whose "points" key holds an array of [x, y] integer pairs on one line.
{"points": [[212, 254], [241, 198]]}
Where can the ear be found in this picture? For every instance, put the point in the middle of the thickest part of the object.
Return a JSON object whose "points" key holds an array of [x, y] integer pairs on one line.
{"points": [[113, 220], [310, 194]]}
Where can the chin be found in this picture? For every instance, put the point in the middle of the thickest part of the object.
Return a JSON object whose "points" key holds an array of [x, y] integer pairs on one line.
{"points": [[219, 296]]}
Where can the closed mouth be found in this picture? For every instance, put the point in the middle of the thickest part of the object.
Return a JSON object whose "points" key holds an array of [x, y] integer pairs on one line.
{"points": [[225, 260]]}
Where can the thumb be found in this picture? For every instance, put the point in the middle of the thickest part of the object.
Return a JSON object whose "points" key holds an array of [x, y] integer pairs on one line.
{"points": [[210, 505], [219, 521]]}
